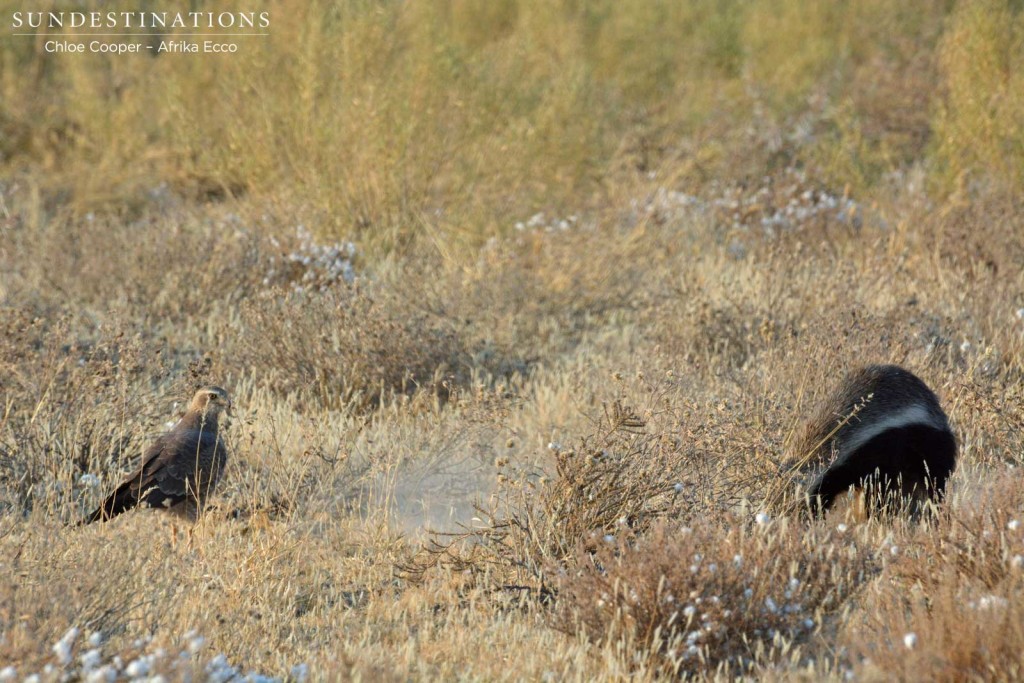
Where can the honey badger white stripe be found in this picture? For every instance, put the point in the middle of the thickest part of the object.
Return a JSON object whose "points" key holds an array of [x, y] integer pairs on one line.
{"points": [[863, 432]]}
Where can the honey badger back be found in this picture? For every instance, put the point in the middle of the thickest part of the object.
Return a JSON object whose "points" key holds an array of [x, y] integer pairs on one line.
{"points": [[897, 445]]}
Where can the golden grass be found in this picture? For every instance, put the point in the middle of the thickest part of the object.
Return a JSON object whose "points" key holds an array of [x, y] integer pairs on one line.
{"points": [[492, 112]]}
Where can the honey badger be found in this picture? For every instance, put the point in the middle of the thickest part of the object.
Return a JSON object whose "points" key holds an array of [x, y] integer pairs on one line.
{"points": [[883, 432]]}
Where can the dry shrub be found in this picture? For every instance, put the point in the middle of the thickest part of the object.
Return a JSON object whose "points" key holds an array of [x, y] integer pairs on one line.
{"points": [[955, 635], [989, 410], [345, 346], [176, 263], [728, 334], [720, 596], [618, 479], [951, 610], [73, 406], [980, 238], [538, 294], [978, 541]]}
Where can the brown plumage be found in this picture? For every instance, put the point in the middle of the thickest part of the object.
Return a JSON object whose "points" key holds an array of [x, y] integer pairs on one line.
{"points": [[180, 470], [882, 431]]}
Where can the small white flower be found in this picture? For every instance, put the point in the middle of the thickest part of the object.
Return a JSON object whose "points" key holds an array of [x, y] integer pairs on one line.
{"points": [[554, 446], [195, 644], [689, 611], [770, 604], [8, 673], [762, 518], [991, 601], [910, 640], [91, 659], [894, 550], [62, 648], [104, 674], [138, 668], [965, 347], [88, 480], [1013, 524], [678, 488], [841, 528], [1017, 562], [609, 538], [218, 669]]}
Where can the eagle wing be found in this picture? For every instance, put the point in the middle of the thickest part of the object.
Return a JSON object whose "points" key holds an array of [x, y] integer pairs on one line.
{"points": [[167, 477]]}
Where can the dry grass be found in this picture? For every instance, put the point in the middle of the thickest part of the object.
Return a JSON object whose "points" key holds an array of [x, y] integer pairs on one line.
{"points": [[621, 477], [719, 596], [675, 401], [478, 445], [528, 107]]}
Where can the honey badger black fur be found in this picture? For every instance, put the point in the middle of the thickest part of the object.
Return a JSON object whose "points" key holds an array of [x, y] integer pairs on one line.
{"points": [[884, 432]]}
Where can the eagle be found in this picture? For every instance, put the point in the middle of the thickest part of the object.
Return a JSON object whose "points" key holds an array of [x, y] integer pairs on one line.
{"points": [[182, 467]]}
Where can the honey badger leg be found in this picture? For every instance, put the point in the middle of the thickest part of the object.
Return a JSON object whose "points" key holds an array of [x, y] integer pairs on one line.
{"points": [[832, 482], [875, 490]]}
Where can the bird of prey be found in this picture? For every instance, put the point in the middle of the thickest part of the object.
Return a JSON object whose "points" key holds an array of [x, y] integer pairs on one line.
{"points": [[180, 470]]}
